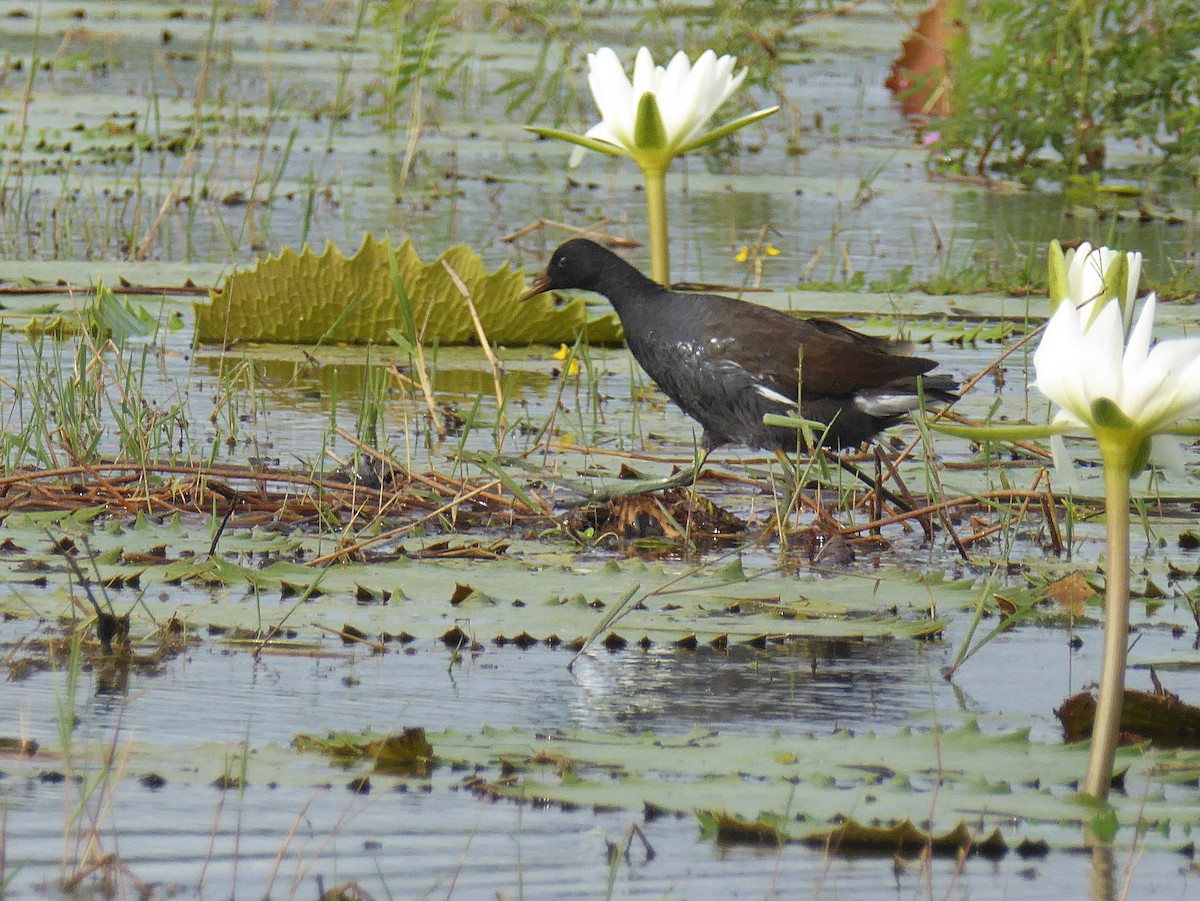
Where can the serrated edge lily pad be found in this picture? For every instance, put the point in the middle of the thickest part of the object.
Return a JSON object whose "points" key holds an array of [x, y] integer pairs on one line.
{"points": [[309, 298]]}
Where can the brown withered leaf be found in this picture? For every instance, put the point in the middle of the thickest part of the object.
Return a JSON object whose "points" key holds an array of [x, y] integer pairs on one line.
{"points": [[667, 515], [1071, 592], [907, 837], [1163, 719], [920, 77], [406, 754]]}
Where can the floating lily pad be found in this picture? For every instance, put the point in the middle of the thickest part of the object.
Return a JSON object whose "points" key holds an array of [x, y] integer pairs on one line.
{"points": [[862, 790], [307, 298]]}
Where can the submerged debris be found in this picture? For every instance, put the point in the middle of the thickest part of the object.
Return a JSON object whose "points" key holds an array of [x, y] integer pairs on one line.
{"points": [[407, 753], [675, 515], [1160, 718]]}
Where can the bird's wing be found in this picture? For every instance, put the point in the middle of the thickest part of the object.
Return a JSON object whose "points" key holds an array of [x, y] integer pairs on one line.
{"points": [[837, 360]]}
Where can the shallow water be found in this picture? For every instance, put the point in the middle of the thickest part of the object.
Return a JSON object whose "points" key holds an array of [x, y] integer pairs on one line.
{"points": [[857, 200], [857, 190], [418, 846], [420, 843]]}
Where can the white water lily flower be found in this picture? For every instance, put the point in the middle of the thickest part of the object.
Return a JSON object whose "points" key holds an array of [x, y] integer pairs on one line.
{"points": [[685, 96], [1119, 389], [659, 114], [1096, 275], [1133, 396]]}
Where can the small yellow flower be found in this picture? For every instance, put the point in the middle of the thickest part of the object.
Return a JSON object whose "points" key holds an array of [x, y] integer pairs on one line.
{"points": [[563, 353], [771, 250], [743, 254]]}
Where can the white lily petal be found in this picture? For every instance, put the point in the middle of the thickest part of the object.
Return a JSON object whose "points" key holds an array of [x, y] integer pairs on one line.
{"points": [[1137, 348], [1104, 346], [1054, 359], [1139, 382], [1064, 465], [722, 85], [697, 99], [673, 102], [645, 74], [613, 94], [1075, 425], [686, 94], [735, 81], [1071, 254], [1166, 454], [1069, 359], [675, 76], [1085, 356], [1087, 267], [601, 132], [1075, 258], [1176, 366], [1089, 289], [1189, 371], [1134, 260]]}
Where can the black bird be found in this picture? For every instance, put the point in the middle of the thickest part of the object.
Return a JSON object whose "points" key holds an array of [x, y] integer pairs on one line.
{"points": [[727, 362]]}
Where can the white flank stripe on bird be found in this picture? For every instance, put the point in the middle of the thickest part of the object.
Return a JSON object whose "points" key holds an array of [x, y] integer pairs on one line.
{"points": [[886, 404], [771, 394]]}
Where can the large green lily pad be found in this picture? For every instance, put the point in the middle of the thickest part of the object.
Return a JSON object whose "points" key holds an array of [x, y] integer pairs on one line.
{"points": [[308, 298]]}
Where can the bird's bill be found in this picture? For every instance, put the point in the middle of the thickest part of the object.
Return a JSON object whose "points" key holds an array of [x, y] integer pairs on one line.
{"points": [[539, 285]]}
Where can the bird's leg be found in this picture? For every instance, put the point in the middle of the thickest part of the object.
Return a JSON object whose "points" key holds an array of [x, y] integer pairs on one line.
{"points": [[698, 464], [789, 468], [685, 478]]}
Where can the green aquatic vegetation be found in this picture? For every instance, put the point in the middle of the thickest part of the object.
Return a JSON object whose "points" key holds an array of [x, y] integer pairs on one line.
{"points": [[407, 754], [1059, 83], [948, 331], [111, 318], [83, 383], [794, 788], [412, 54], [312, 298], [491, 594]]}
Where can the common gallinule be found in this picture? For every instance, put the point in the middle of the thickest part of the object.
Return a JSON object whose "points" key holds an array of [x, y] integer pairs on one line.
{"points": [[727, 362]]}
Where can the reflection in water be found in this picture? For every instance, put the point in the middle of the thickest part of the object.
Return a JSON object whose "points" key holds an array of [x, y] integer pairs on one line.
{"points": [[1102, 883], [346, 376], [293, 404], [814, 685], [278, 842], [211, 694]]}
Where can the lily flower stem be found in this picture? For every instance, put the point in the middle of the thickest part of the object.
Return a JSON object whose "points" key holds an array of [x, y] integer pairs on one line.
{"points": [[656, 216], [1106, 727]]}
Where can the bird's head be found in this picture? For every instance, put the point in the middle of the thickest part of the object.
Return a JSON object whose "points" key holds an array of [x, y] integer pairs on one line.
{"points": [[578, 264]]}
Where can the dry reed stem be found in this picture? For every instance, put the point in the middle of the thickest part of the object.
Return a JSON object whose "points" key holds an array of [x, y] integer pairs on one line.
{"points": [[377, 646], [592, 232], [967, 500], [87, 290], [502, 425], [61, 489], [342, 553]]}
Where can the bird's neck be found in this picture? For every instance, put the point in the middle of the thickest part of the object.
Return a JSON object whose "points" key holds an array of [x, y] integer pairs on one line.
{"points": [[627, 289]]}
